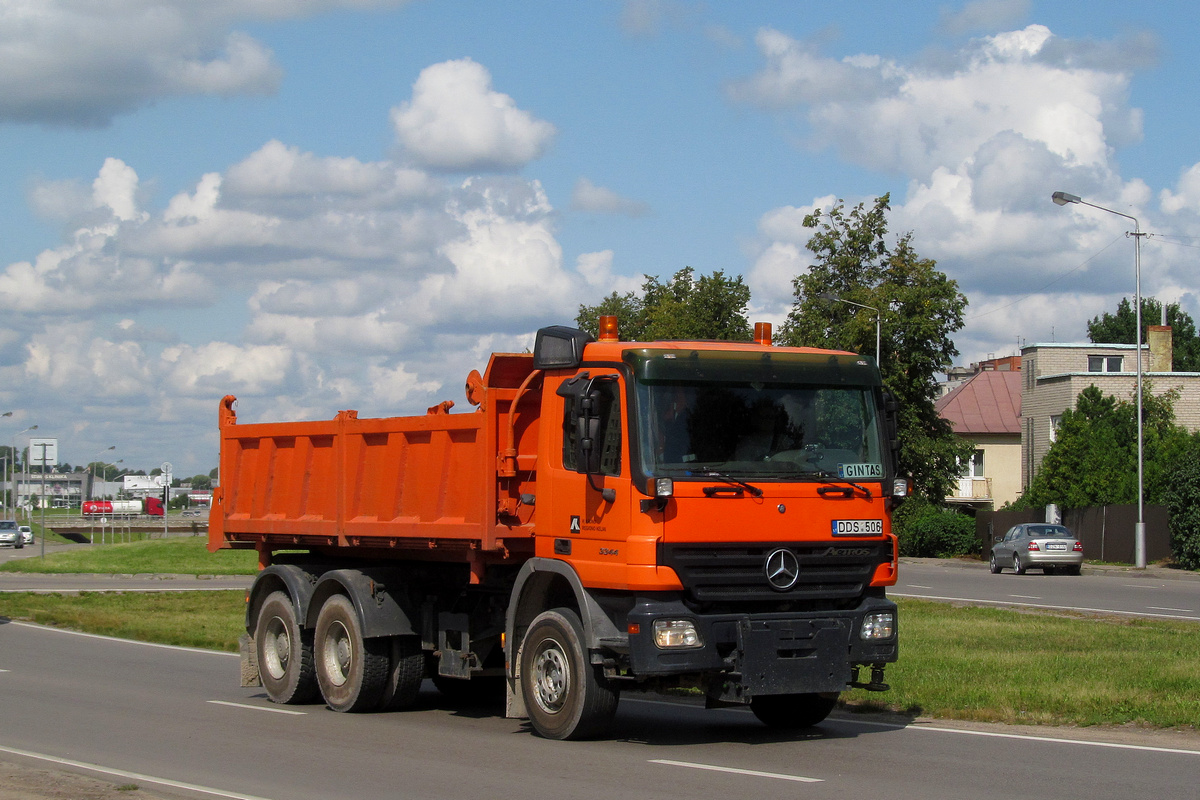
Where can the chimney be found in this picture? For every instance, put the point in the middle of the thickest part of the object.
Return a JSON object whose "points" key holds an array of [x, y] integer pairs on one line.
{"points": [[1160, 348]]}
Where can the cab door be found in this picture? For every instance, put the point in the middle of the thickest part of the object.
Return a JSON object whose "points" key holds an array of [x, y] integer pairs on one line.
{"points": [[584, 517]]}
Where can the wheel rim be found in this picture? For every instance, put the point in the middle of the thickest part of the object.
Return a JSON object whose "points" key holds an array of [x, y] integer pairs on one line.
{"points": [[338, 654], [1016, 563], [277, 648], [551, 677]]}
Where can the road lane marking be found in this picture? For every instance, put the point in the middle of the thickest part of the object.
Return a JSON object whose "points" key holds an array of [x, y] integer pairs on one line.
{"points": [[133, 776], [732, 770], [1028, 737], [917, 586], [1026, 596], [126, 641], [258, 708], [1180, 610], [1084, 609]]}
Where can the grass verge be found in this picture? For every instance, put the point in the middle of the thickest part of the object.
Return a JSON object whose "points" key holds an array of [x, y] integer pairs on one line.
{"points": [[982, 664], [209, 620], [185, 555], [1041, 668]]}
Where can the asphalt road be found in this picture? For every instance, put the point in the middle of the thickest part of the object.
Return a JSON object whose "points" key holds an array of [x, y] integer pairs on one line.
{"points": [[1155, 592], [175, 721]]}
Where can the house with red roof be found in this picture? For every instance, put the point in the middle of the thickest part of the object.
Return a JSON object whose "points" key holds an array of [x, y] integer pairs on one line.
{"points": [[986, 409]]}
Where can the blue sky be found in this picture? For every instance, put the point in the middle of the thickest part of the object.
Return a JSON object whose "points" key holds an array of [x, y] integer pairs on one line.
{"points": [[327, 204]]}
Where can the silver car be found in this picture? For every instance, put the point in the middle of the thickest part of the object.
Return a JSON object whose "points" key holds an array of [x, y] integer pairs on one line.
{"points": [[10, 535], [1038, 545]]}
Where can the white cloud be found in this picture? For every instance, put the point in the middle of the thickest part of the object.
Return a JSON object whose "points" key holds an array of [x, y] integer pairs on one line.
{"points": [[915, 119], [984, 135], [983, 15], [83, 63], [587, 196], [456, 121]]}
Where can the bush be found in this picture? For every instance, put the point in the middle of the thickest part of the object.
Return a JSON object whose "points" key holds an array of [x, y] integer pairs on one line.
{"points": [[1182, 498], [927, 530]]}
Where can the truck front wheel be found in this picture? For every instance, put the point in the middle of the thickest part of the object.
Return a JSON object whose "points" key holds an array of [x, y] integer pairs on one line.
{"points": [[352, 671], [565, 695], [284, 652], [792, 711]]}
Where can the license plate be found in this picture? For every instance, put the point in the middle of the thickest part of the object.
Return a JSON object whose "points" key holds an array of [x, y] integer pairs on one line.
{"points": [[857, 527], [1053, 546]]}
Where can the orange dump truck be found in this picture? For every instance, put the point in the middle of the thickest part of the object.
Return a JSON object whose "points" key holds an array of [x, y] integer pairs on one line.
{"points": [[611, 515]]}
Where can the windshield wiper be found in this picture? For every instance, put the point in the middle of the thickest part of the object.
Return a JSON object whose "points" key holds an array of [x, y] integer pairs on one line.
{"points": [[829, 477], [721, 476]]}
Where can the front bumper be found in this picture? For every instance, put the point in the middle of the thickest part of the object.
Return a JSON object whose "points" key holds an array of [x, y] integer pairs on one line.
{"points": [[745, 655]]}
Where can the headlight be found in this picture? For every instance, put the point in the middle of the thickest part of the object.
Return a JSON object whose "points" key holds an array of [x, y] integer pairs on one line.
{"points": [[674, 633], [878, 626]]}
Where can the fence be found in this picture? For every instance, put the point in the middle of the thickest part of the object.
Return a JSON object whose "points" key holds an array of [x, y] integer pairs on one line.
{"points": [[1106, 531]]}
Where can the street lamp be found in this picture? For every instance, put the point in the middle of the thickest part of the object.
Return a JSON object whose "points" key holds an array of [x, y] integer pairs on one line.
{"points": [[1139, 531], [92, 470], [13, 482], [835, 298], [4, 472]]}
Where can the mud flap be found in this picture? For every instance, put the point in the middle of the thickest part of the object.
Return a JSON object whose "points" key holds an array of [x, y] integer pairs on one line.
{"points": [[249, 658]]}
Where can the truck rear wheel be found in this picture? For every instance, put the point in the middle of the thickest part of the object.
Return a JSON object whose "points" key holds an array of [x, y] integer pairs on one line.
{"points": [[792, 711], [405, 674], [284, 652], [565, 695], [352, 671]]}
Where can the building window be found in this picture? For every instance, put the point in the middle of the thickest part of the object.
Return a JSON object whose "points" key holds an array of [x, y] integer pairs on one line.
{"points": [[1055, 421], [972, 468], [1104, 364]]}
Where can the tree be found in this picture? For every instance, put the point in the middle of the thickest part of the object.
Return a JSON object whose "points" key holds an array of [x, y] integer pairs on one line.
{"points": [[1093, 460], [919, 308], [685, 307], [1182, 498], [1120, 328]]}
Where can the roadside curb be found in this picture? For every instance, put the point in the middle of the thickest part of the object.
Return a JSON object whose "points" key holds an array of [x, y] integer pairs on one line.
{"points": [[1151, 572]]}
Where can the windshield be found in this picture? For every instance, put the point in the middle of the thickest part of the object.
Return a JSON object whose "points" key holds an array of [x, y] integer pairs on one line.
{"points": [[779, 428]]}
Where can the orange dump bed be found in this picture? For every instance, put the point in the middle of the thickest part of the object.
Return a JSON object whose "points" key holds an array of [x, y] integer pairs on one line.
{"points": [[431, 484]]}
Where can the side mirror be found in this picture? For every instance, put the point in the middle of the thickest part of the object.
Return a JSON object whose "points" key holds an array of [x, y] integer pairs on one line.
{"points": [[585, 420]]}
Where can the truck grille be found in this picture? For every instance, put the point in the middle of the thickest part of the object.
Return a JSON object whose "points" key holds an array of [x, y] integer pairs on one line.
{"points": [[720, 573]]}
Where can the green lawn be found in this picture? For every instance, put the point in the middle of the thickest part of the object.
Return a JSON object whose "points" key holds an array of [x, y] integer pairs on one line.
{"points": [[184, 555]]}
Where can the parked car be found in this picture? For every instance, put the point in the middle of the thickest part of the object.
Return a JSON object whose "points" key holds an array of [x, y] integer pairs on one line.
{"points": [[10, 534], [27, 534], [1038, 545]]}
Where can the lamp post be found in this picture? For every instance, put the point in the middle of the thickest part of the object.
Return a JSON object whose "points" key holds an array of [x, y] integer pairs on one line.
{"points": [[92, 470], [4, 472], [836, 299], [14, 467], [1139, 531]]}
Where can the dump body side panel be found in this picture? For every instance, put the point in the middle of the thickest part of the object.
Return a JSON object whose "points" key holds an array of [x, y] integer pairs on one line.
{"points": [[370, 486]]}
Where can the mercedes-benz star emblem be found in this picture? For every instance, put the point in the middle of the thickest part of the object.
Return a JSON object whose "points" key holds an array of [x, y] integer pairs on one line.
{"points": [[782, 569]]}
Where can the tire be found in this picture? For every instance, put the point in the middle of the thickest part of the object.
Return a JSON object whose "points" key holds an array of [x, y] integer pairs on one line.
{"points": [[351, 671], [406, 671], [284, 652], [1074, 570], [793, 711], [1018, 567], [565, 695], [993, 566]]}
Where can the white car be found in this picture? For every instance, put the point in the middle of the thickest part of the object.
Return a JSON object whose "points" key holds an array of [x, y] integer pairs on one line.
{"points": [[27, 534]]}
